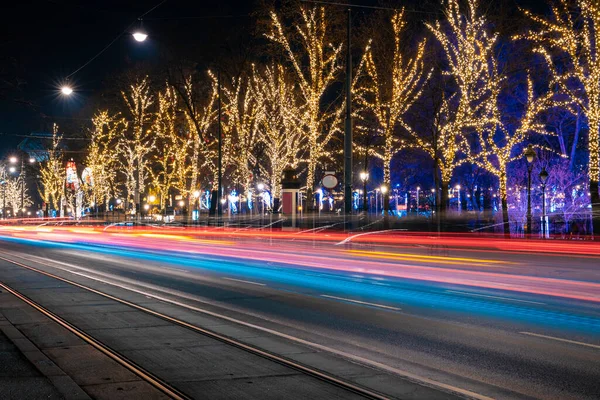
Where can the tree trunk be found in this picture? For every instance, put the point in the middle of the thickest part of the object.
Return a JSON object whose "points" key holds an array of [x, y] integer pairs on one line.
{"points": [[594, 127], [437, 194], [445, 198], [214, 198], [575, 140], [504, 200], [595, 198], [310, 186], [444, 204]]}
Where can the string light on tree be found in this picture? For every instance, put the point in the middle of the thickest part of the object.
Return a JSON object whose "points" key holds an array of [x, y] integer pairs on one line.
{"points": [[573, 31], [390, 88]]}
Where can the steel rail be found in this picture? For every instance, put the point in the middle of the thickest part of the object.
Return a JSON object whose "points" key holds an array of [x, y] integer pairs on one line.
{"points": [[313, 372], [114, 355]]}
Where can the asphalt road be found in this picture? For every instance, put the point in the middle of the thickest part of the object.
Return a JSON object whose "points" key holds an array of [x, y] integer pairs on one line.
{"points": [[496, 323]]}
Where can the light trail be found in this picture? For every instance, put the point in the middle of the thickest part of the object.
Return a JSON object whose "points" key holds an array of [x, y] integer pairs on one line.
{"points": [[212, 244]]}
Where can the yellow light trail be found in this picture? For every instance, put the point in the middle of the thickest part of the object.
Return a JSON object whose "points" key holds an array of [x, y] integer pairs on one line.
{"points": [[424, 258]]}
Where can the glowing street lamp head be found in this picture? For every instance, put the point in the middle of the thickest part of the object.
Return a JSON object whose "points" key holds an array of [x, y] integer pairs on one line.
{"points": [[12, 169], [151, 198], [13, 160], [530, 154], [196, 193], [384, 189], [66, 90], [31, 160], [139, 35], [261, 186], [364, 176]]}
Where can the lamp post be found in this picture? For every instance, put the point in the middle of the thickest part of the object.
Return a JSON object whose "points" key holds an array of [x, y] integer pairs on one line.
{"points": [[384, 190], [530, 157], [418, 188], [457, 187], [543, 178], [364, 177]]}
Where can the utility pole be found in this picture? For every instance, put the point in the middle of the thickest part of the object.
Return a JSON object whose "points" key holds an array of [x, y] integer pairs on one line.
{"points": [[4, 192], [22, 188], [220, 151], [348, 125]]}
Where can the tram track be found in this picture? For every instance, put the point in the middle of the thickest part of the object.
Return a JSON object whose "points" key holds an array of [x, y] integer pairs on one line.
{"points": [[146, 375]]}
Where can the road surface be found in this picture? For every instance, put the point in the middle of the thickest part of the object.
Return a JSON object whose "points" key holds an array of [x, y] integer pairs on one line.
{"points": [[468, 317]]}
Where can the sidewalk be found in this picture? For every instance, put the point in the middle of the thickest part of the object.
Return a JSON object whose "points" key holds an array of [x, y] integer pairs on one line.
{"points": [[19, 378], [39, 359]]}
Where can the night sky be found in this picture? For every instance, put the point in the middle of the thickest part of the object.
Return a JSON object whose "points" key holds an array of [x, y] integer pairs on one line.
{"points": [[41, 42]]}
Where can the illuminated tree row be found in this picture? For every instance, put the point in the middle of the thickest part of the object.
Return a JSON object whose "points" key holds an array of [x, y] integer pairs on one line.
{"points": [[569, 41], [389, 89]]}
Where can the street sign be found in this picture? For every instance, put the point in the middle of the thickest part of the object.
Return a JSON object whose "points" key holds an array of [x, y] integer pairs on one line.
{"points": [[329, 181]]}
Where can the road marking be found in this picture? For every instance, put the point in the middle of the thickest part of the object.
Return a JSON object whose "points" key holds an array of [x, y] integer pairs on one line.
{"points": [[594, 346], [494, 297], [241, 280], [350, 356], [362, 302]]}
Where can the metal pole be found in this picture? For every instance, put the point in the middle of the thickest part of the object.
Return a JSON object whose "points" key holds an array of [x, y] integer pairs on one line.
{"points": [[543, 210], [22, 189], [220, 151], [417, 202], [4, 194], [348, 125], [528, 231], [365, 203]]}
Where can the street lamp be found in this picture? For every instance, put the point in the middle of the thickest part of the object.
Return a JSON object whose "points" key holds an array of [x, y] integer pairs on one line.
{"points": [[530, 157], [364, 177], [543, 178], [140, 34], [66, 90], [418, 188]]}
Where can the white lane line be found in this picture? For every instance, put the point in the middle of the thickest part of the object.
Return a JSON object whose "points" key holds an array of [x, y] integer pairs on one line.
{"points": [[362, 302], [494, 297], [350, 356], [241, 280], [594, 346]]}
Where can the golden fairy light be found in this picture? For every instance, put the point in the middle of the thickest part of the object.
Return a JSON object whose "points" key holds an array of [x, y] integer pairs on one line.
{"points": [[52, 173], [315, 63], [136, 146], [572, 33], [102, 160], [467, 48], [277, 123], [389, 95], [172, 164]]}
